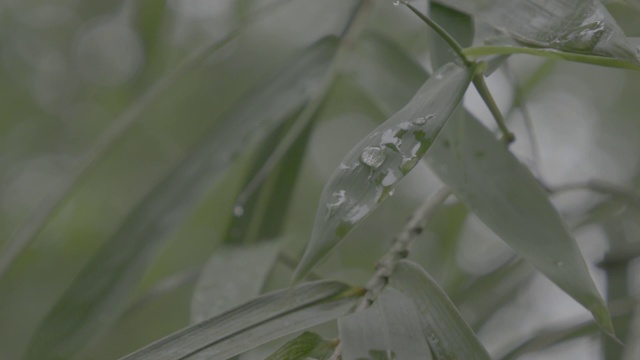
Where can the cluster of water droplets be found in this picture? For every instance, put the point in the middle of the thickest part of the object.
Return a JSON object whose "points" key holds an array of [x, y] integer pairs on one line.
{"points": [[391, 154]]}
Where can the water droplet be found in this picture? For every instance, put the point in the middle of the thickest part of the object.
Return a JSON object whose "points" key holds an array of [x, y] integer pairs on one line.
{"points": [[373, 156], [343, 166], [423, 120], [396, 2], [238, 210], [559, 263]]}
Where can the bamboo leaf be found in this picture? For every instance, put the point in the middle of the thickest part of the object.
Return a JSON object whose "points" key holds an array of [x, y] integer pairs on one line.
{"points": [[509, 200], [444, 329], [568, 26], [98, 295], [389, 327], [259, 216], [374, 166], [233, 275], [306, 346], [256, 322]]}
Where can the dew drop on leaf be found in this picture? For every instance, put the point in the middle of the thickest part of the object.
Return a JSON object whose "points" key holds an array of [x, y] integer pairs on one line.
{"points": [[373, 156], [422, 120]]}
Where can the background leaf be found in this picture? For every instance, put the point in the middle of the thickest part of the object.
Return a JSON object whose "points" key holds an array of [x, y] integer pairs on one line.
{"points": [[389, 326], [98, 295], [509, 200], [263, 319], [306, 346], [458, 25], [373, 167], [233, 275], [446, 332]]}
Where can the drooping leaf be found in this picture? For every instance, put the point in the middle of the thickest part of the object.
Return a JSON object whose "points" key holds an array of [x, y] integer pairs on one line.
{"points": [[260, 320], [306, 346], [507, 198], [443, 327], [389, 326], [233, 275], [457, 24], [98, 295], [568, 26], [374, 166]]}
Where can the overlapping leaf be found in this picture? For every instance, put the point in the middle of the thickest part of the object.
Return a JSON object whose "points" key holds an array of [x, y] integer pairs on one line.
{"points": [[369, 173], [98, 295], [567, 26], [233, 275], [502, 192], [263, 319], [443, 327], [306, 346], [390, 327]]}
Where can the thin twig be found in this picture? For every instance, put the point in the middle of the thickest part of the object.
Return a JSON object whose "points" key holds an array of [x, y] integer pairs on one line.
{"points": [[485, 94], [478, 79], [457, 48], [399, 250]]}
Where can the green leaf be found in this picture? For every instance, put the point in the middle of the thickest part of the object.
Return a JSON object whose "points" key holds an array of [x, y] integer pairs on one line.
{"points": [[260, 320], [385, 71], [306, 346], [488, 294], [504, 195], [444, 329], [570, 26], [389, 326], [97, 297], [457, 24], [233, 275], [374, 166], [260, 216]]}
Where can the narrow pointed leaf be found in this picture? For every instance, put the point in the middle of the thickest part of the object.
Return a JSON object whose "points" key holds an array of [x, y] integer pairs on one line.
{"points": [[306, 346], [96, 298], [261, 216], [258, 321], [571, 26], [389, 327], [504, 194], [233, 275], [442, 325], [374, 166]]}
